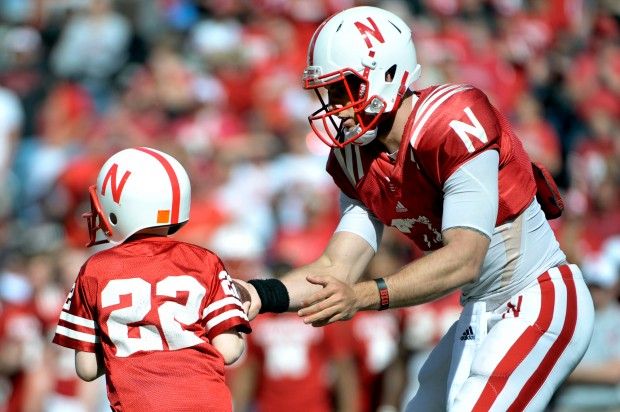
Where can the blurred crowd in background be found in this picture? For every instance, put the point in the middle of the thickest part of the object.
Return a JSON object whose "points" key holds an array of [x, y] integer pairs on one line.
{"points": [[217, 83]]}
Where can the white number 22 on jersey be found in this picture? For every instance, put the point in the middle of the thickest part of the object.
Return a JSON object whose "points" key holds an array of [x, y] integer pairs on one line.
{"points": [[172, 315]]}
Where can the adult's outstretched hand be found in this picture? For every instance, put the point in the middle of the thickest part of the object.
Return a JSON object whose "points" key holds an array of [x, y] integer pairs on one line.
{"points": [[335, 301]]}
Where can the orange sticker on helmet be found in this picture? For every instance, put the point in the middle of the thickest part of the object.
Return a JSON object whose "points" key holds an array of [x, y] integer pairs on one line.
{"points": [[163, 216]]}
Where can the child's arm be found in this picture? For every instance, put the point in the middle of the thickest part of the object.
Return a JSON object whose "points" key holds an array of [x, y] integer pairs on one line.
{"points": [[230, 344], [88, 365]]}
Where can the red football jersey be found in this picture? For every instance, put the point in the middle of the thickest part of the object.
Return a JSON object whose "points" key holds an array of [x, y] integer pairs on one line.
{"points": [[294, 359], [20, 325], [449, 125], [375, 339], [152, 306], [422, 326]]}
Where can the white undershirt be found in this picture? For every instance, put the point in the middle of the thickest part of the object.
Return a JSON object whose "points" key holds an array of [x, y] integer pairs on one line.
{"points": [[356, 218], [471, 194]]}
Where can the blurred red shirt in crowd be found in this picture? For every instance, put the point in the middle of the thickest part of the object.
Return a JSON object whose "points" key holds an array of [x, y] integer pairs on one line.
{"points": [[290, 365]]}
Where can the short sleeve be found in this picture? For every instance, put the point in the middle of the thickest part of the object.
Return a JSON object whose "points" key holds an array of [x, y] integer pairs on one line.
{"points": [[77, 328], [453, 125], [356, 218], [224, 310], [338, 339], [471, 195]]}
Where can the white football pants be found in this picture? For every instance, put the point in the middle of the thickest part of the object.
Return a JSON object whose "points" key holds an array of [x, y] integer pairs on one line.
{"points": [[515, 357]]}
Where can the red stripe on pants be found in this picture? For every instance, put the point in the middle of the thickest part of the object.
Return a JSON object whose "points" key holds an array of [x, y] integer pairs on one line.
{"points": [[521, 348], [533, 385]]}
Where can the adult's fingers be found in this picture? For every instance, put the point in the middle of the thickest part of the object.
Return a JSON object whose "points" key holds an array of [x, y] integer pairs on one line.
{"points": [[330, 285], [322, 280], [319, 313]]}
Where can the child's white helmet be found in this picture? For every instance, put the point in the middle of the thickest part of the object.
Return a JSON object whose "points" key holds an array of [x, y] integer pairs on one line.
{"points": [[136, 189]]}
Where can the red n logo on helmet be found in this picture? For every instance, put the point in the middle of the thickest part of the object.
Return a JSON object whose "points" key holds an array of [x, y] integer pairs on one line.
{"points": [[373, 31], [116, 188]]}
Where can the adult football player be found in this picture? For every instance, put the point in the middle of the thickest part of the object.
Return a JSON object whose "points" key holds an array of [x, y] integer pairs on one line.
{"points": [[159, 317], [443, 166]]}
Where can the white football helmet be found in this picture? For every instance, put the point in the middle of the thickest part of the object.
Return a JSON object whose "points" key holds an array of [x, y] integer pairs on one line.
{"points": [[372, 52], [136, 189]]}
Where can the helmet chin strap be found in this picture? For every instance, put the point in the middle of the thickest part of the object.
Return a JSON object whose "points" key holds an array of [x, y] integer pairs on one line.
{"points": [[364, 139]]}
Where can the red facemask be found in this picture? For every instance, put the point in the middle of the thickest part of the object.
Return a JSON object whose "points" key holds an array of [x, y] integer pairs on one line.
{"points": [[325, 123], [96, 219]]}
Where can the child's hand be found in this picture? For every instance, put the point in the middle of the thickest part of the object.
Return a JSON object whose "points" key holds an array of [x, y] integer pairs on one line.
{"points": [[249, 298]]}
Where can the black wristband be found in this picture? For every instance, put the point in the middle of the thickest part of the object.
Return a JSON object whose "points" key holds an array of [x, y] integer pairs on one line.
{"points": [[384, 295], [273, 295]]}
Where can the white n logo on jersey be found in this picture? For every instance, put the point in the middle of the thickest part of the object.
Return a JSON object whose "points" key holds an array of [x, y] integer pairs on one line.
{"points": [[464, 130]]}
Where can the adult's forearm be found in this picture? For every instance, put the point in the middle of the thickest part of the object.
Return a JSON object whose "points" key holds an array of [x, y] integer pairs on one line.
{"points": [[428, 278], [345, 258], [299, 288]]}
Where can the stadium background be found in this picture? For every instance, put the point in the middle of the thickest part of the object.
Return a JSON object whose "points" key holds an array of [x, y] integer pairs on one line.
{"points": [[217, 84]]}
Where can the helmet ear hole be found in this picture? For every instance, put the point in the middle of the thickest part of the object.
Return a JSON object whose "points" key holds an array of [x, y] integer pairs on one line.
{"points": [[389, 74], [113, 218]]}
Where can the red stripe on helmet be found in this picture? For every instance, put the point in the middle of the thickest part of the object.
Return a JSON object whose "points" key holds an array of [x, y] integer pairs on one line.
{"points": [[174, 182], [313, 41], [372, 31]]}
